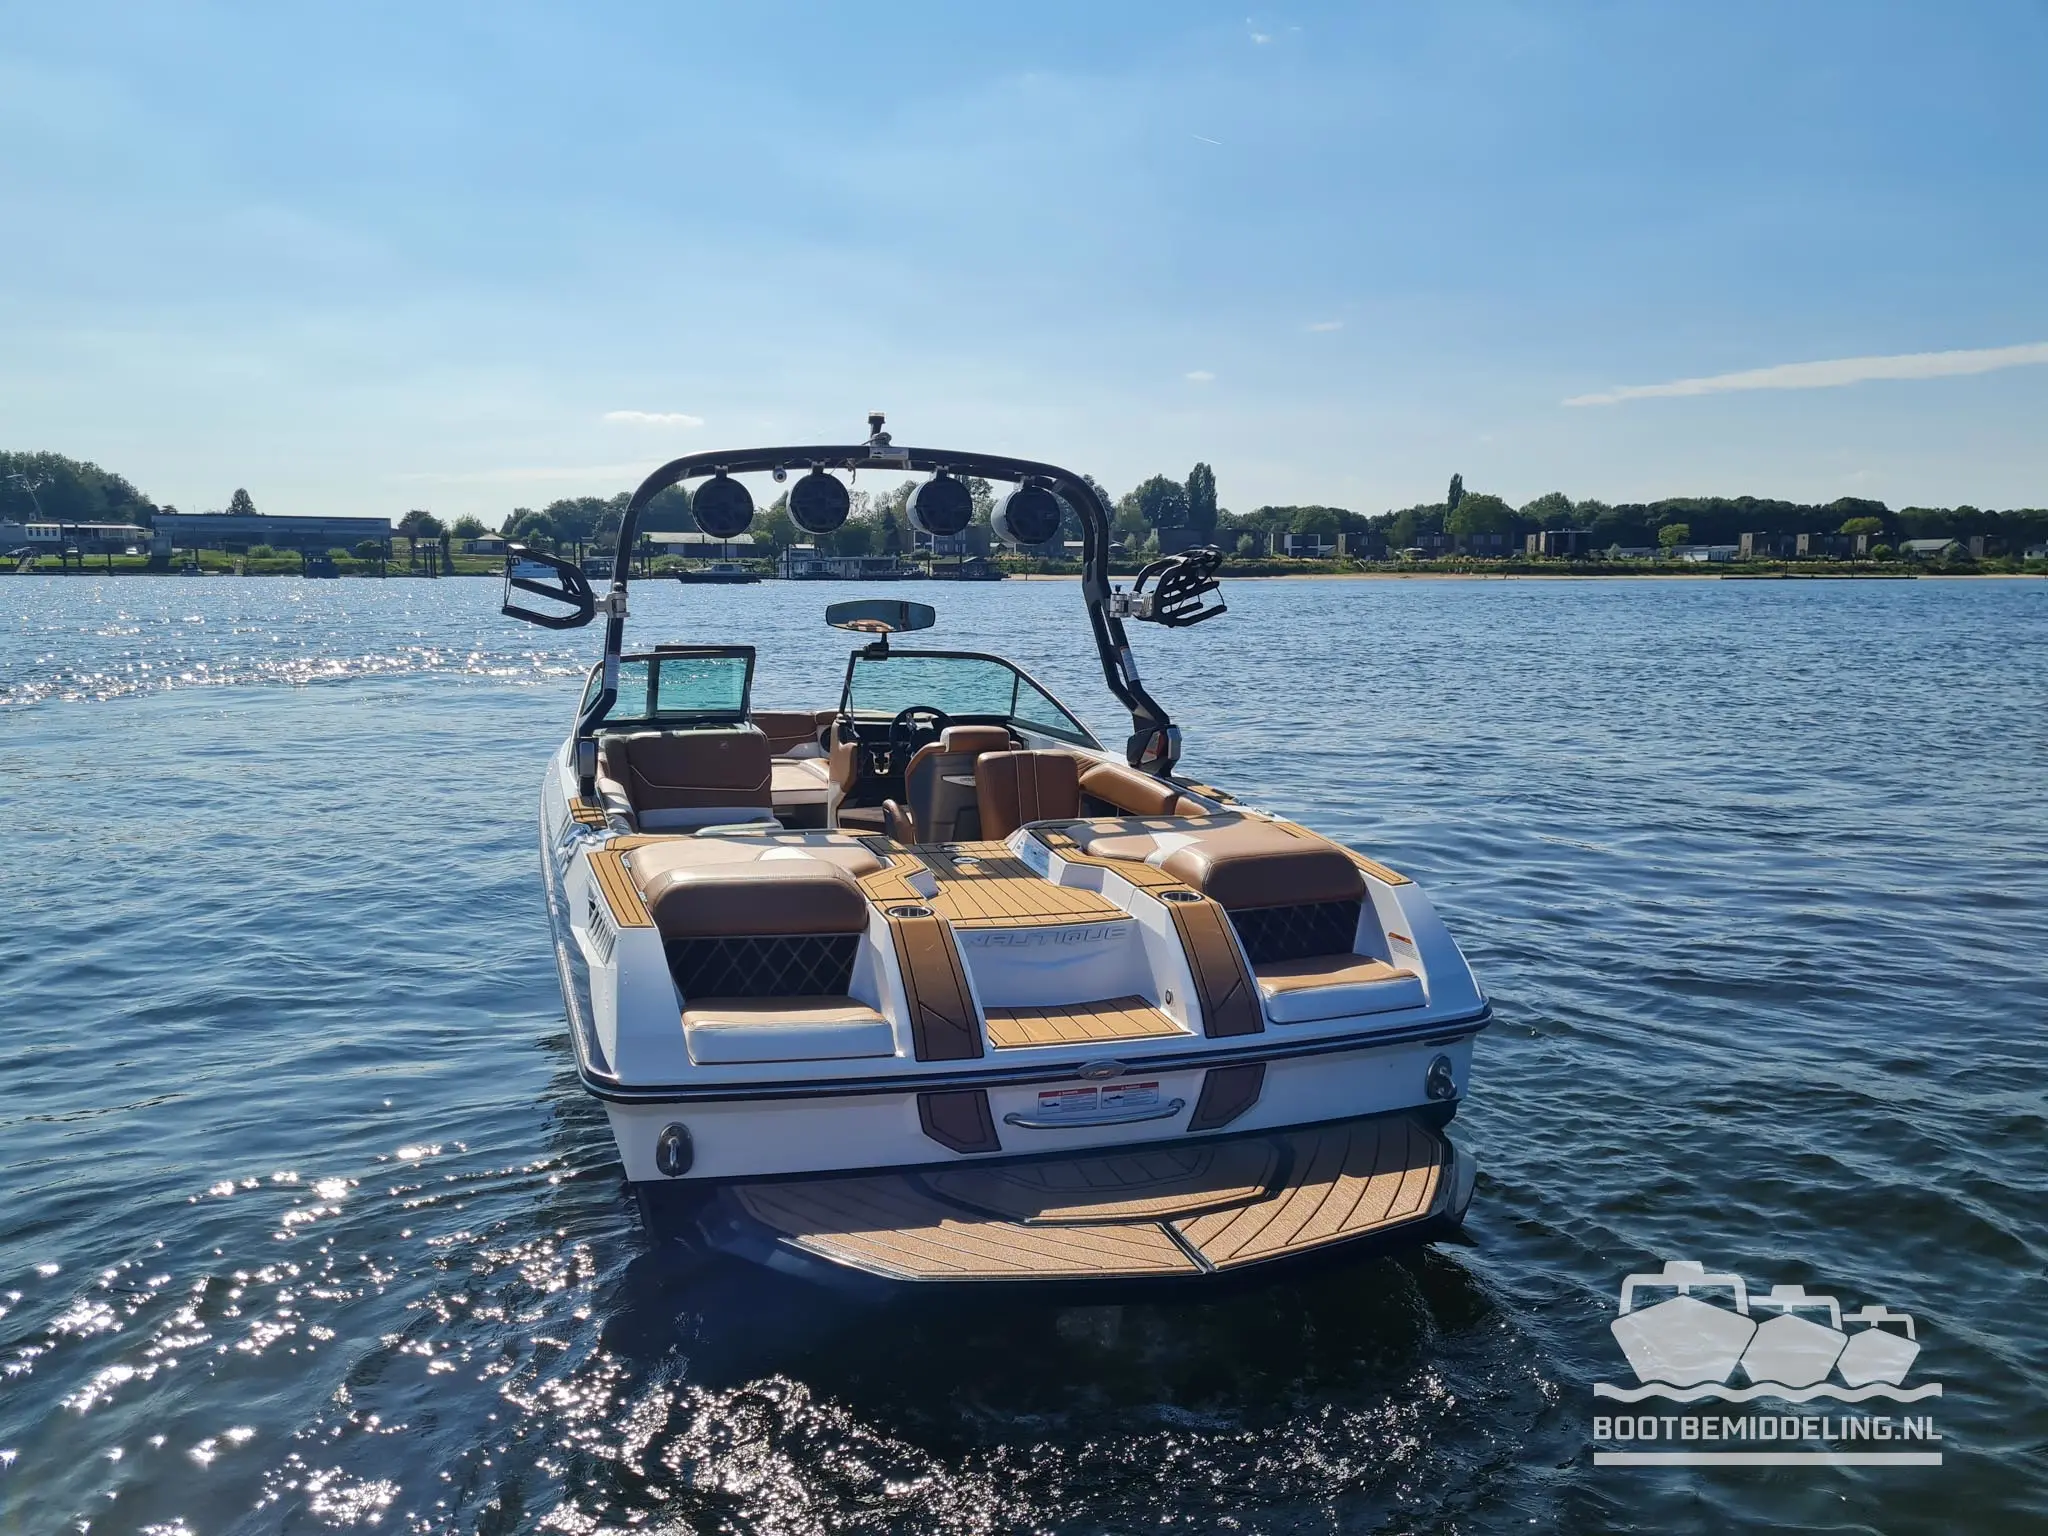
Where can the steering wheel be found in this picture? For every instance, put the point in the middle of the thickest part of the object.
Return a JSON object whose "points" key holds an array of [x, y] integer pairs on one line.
{"points": [[910, 729]]}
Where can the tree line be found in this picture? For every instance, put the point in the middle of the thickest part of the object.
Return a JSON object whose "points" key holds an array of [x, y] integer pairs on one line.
{"points": [[35, 486], [1643, 525]]}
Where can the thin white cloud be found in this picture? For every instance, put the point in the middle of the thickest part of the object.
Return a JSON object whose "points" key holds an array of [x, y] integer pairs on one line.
{"points": [[1201, 376], [1207, 140], [1832, 374], [1327, 325], [655, 419]]}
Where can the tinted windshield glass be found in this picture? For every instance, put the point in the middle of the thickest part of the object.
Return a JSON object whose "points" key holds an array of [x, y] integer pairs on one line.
{"points": [[680, 687], [960, 686], [700, 685], [1037, 710]]}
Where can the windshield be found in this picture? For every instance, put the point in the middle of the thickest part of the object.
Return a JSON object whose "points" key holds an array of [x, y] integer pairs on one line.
{"points": [[679, 687], [962, 687]]}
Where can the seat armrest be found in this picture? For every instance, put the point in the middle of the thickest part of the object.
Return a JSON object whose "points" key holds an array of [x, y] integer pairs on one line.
{"points": [[617, 803], [899, 823], [844, 760]]}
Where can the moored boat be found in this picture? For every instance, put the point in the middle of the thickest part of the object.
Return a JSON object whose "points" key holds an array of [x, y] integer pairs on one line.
{"points": [[725, 573]]}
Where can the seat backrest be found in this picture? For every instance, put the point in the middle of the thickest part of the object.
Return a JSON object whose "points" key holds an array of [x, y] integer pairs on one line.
{"points": [[1290, 893], [692, 778], [1013, 788], [765, 928], [792, 732], [752, 900], [842, 751], [1134, 792], [939, 784]]}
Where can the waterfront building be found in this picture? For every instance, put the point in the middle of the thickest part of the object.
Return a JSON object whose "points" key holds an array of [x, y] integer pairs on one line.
{"points": [[705, 546], [1488, 546], [802, 562], [1831, 546], [1311, 546], [238, 532], [1560, 543], [49, 538]]}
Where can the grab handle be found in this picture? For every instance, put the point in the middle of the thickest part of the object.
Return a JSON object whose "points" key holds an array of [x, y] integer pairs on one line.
{"points": [[1164, 1111]]}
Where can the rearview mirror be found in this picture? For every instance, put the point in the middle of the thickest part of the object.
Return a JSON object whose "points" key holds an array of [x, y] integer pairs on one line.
{"points": [[881, 616], [559, 582]]}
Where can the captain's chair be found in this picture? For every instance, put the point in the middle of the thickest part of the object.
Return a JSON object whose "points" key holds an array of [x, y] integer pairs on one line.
{"points": [[939, 787], [1013, 788]]}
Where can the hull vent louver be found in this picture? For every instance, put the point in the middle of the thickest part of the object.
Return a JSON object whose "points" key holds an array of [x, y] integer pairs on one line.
{"points": [[603, 936]]}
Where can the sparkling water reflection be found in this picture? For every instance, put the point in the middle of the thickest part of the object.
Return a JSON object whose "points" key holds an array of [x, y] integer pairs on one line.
{"points": [[307, 1225]]}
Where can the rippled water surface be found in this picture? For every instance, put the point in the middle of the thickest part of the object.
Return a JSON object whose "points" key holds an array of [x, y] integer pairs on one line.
{"points": [[306, 1225]]}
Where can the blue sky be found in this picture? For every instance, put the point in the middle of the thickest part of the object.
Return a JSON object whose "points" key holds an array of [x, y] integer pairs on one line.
{"points": [[360, 259]]}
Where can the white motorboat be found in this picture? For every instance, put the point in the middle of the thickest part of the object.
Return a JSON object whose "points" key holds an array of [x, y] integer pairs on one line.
{"points": [[922, 982]]}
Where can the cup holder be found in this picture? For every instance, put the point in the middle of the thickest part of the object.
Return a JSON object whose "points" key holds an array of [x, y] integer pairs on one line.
{"points": [[1180, 896], [908, 909]]}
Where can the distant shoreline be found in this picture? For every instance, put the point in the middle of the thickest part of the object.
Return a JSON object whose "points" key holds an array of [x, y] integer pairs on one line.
{"points": [[1707, 574]]}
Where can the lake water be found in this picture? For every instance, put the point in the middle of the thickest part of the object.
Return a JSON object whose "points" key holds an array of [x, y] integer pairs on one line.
{"points": [[306, 1225]]}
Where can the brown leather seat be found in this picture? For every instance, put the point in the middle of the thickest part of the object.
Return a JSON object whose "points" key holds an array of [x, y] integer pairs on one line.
{"points": [[1334, 986], [758, 899], [668, 780], [764, 842], [792, 732], [1013, 788], [1259, 864], [939, 787], [842, 768], [1136, 793], [731, 1030], [1239, 862]]}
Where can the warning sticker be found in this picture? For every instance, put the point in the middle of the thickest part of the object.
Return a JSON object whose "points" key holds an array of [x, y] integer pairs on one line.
{"points": [[1113, 1098], [1064, 1103], [1131, 1096]]}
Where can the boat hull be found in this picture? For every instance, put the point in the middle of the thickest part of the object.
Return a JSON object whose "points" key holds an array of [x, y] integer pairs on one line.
{"points": [[739, 1142], [841, 1129]]}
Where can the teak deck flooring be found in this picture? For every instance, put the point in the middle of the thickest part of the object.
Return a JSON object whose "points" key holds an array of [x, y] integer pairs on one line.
{"points": [[620, 893], [1173, 1211], [1136, 1186], [1146, 877], [1113, 1018], [891, 1225], [986, 885]]}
